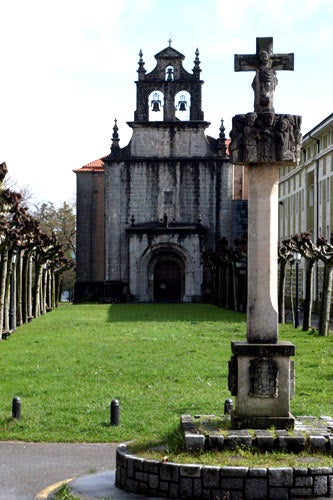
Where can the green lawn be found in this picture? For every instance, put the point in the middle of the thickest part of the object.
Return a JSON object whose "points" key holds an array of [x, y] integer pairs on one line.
{"points": [[159, 361]]}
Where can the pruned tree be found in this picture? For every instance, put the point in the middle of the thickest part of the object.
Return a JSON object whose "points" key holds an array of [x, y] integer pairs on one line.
{"points": [[26, 252], [324, 250], [227, 289], [61, 222], [284, 257], [301, 244]]}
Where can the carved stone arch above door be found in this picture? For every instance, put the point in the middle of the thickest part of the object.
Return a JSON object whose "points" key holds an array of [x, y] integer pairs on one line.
{"points": [[178, 261]]}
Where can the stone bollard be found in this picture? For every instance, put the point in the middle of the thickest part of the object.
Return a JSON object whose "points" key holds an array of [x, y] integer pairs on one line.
{"points": [[114, 412], [16, 408]]}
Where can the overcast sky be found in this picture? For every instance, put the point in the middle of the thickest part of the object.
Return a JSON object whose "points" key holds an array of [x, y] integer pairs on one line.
{"points": [[69, 67]]}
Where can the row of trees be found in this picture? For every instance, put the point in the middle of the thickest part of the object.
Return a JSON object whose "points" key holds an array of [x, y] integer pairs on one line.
{"points": [[32, 262], [312, 252], [227, 268], [228, 278]]}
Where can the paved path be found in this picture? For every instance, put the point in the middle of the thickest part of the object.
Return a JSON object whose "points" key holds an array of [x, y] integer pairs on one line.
{"points": [[28, 468], [31, 471]]}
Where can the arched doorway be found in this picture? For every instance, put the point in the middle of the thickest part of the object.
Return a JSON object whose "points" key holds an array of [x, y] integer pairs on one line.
{"points": [[167, 281]]}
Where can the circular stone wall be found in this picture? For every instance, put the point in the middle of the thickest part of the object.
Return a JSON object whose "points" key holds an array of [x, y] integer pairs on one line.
{"points": [[172, 480]]}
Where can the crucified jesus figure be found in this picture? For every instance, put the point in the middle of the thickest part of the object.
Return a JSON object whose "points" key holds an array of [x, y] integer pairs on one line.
{"points": [[265, 64]]}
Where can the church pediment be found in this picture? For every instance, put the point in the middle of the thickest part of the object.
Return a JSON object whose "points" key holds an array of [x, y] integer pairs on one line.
{"points": [[169, 53]]}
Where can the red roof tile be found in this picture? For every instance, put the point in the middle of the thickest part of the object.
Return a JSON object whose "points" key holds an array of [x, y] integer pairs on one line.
{"points": [[93, 166]]}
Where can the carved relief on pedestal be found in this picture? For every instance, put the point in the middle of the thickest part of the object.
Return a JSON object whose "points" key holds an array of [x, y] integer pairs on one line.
{"points": [[265, 138], [264, 375], [233, 376]]}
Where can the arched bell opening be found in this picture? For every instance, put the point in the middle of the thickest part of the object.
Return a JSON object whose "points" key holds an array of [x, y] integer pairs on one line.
{"points": [[183, 105], [156, 106], [169, 73]]}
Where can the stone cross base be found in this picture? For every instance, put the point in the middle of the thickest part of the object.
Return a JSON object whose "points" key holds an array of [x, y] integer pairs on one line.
{"points": [[265, 138], [261, 376]]}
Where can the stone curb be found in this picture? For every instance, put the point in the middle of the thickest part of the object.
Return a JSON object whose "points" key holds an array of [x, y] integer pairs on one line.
{"points": [[172, 480]]}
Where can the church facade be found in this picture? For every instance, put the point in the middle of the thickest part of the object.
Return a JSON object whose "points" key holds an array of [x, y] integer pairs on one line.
{"points": [[146, 212]]}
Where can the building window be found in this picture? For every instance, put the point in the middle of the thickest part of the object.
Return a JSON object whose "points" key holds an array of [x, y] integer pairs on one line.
{"points": [[311, 196], [328, 189], [304, 155], [168, 197], [303, 197]]}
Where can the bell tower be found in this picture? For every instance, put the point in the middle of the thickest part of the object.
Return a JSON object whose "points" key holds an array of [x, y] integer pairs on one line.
{"points": [[169, 90]]}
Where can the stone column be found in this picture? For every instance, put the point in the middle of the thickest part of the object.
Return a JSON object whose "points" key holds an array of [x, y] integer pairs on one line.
{"points": [[262, 318]]}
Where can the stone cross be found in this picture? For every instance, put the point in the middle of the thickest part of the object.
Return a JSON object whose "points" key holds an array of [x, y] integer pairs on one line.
{"points": [[265, 64], [260, 371]]}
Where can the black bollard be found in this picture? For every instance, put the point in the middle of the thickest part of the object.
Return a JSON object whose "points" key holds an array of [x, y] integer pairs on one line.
{"points": [[114, 413], [16, 408]]}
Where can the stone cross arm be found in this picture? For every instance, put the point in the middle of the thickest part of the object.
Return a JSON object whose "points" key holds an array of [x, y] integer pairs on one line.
{"points": [[252, 62], [249, 62]]}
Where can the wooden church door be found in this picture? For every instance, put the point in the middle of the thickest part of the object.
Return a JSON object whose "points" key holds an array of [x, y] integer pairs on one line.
{"points": [[167, 281]]}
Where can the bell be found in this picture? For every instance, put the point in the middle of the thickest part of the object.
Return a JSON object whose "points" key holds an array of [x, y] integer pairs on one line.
{"points": [[182, 103], [169, 74], [156, 106], [156, 102]]}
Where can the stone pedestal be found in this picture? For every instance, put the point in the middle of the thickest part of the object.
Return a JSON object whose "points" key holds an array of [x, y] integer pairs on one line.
{"points": [[261, 376]]}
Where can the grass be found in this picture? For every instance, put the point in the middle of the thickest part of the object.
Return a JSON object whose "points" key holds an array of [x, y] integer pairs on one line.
{"points": [[64, 493], [158, 360], [240, 457]]}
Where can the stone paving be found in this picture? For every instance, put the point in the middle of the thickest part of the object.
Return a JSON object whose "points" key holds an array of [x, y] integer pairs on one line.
{"points": [[211, 432]]}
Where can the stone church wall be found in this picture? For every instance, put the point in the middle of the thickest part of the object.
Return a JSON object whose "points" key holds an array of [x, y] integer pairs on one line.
{"points": [[179, 139], [90, 236], [90, 216], [185, 190]]}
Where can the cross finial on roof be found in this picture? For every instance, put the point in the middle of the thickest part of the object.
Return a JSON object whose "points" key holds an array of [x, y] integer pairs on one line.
{"points": [[170, 41]]}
